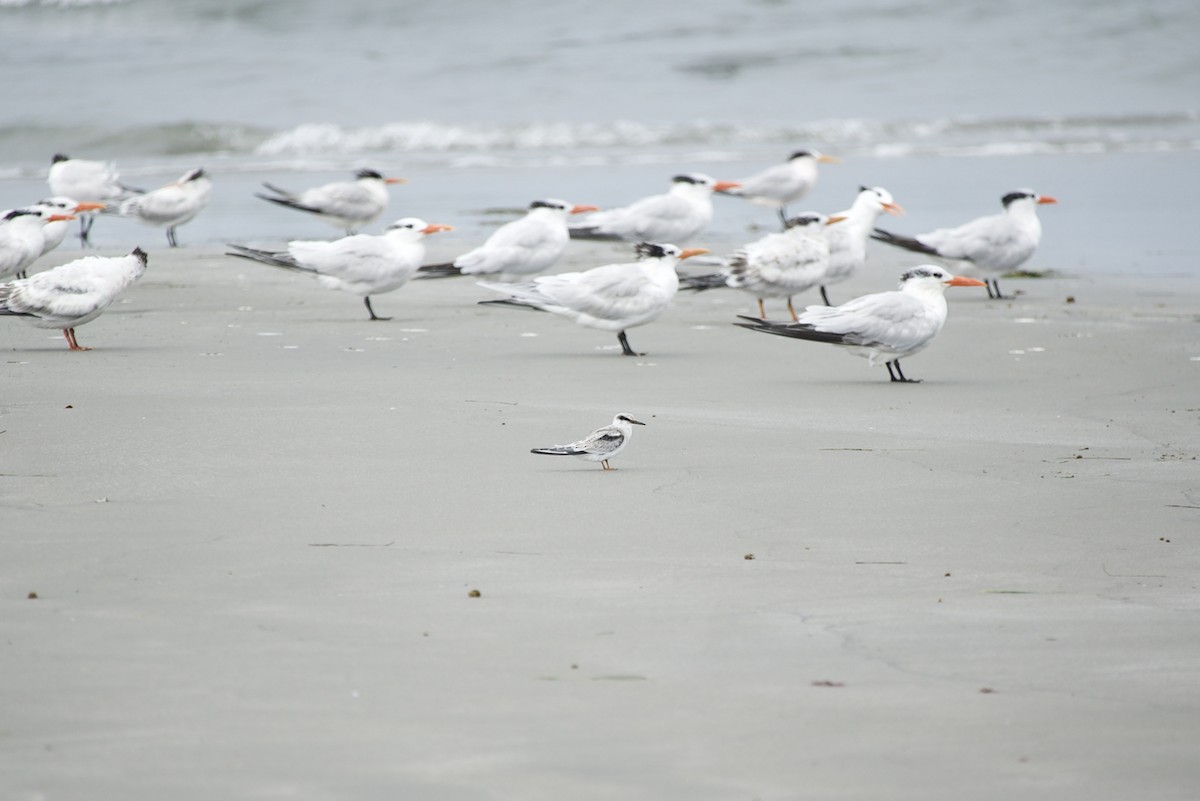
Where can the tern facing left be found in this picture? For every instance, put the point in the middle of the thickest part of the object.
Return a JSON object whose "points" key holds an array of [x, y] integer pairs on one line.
{"points": [[172, 205], [600, 445], [611, 298], [994, 244], [883, 327], [361, 264], [677, 216], [67, 296], [781, 184]]}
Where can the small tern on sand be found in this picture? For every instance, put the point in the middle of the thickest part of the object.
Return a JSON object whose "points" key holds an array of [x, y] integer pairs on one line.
{"points": [[522, 247], [776, 266], [345, 204], [883, 327], [679, 215], [994, 244], [172, 205], [848, 240], [85, 181], [611, 298], [67, 296], [22, 238], [361, 264], [781, 184], [600, 445]]}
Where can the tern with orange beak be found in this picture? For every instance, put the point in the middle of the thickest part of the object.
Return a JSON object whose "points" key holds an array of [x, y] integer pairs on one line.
{"points": [[530, 245], [54, 232], [22, 237], [86, 181], [361, 264], [781, 184], [994, 245], [614, 297], [346, 204], [677, 216], [884, 327], [848, 239]]}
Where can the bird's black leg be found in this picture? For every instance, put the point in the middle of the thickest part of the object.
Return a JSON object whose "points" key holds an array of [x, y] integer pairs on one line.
{"points": [[171, 237], [825, 297], [995, 284], [783, 217], [85, 229], [625, 349], [367, 301], [900, 373]]}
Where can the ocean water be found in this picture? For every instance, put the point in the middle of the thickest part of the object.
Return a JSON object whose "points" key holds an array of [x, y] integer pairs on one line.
{"points": [[485, 106]]}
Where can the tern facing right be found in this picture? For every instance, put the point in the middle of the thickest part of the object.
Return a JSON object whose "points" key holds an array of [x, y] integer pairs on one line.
{"points": [[882, 327], [600, 445], [781, 184], [679, 215], [67, 296], [345, 204], [22, 237], [526, 246], [995, 244], [361, 264], [172, 205], [611, 298]]}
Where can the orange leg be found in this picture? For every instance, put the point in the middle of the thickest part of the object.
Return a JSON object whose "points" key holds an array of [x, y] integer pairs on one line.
{"points": [[604, 463], [69, 333]]}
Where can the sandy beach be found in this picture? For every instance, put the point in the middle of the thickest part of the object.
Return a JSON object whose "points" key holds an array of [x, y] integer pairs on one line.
{"points": [[253, 519]]}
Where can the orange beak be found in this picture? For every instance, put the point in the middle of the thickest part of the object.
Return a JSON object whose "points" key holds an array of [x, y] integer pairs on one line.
{"points": [[582, 209], [59, 217], [88, 207], [687, 254], [894, 208], [823, 159], [722, 186], [433, 228], [1046, 199], [395, 180], [959, 280], [834, 219]]}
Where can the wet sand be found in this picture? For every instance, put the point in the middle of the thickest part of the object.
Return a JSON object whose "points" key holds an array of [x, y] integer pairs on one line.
{"points": [[253, 520]]}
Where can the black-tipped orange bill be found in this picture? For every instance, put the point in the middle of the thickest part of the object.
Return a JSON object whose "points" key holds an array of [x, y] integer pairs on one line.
{"points": [[959, 280], [582, 209], [687, 254]]}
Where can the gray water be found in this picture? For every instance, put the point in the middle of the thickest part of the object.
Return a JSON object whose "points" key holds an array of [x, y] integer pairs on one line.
{"points": [[487, 105]]}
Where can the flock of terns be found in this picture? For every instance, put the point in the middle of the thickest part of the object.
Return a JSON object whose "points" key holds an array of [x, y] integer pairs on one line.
{"points": [[812, 251]]}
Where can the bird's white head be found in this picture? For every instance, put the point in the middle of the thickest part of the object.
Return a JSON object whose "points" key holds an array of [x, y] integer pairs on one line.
{"points": [[930, 276], [654, 250], [693, 181], [415, 227], [1025, 198], [879, 198], [814, 155], [626, 420], [375, 175], [560, 206]]}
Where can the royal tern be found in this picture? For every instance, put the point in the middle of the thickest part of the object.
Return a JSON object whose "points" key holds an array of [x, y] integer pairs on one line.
{"points": [[776, 266], [611, 298], [172, 205], [522, 247], [361, 264], [848, 239], [22, 238], [600, 445], [54, 232], [781, 184], [994, 244], [679, 215], [67, 296], [884, 327], [85, 181], [345, 204]]}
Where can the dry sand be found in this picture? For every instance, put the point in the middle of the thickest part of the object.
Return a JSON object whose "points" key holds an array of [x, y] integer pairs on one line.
{"points": [[252, 520]]}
